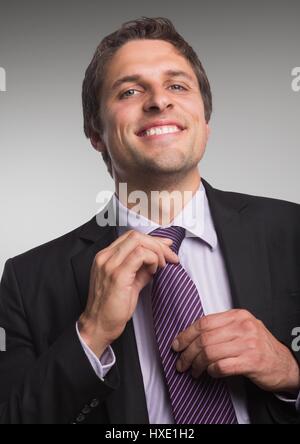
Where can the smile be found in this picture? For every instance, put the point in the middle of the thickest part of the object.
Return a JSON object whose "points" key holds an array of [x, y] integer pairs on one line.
{"points": [[160, 130]]}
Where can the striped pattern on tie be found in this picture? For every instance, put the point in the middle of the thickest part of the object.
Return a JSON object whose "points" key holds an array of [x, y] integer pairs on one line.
{"points": [[176, 305]]}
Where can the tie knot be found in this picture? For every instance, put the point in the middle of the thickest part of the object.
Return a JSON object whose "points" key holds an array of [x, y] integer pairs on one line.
{"points": [[175, 233]]}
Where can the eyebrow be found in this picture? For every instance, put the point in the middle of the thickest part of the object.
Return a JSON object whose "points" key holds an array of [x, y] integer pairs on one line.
{"points": [[137, 77]]}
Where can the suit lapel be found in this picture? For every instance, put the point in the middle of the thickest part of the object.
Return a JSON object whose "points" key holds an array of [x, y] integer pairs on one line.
{"points": [[127, 404], [242, 240]]}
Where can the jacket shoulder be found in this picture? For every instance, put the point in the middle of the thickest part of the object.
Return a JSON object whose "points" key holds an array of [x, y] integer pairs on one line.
{"points": [[262, 203], [276, 214]]}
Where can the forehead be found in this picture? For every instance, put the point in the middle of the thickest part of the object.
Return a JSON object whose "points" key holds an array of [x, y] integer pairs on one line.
{"points": [[146, 57]]}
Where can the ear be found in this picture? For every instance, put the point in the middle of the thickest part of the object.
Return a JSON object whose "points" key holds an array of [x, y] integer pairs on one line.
{"points": [[97, 142]]}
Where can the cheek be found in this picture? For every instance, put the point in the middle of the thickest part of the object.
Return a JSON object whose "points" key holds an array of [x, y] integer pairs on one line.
{"points": [[195, 110], [112, 127], [120, 121]]}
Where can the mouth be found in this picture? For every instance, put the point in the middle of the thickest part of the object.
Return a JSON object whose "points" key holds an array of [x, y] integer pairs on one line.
{"points": [[158, 131]]}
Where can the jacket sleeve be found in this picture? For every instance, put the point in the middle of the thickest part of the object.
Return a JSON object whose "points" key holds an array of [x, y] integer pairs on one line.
{"points": [[55, 387]]}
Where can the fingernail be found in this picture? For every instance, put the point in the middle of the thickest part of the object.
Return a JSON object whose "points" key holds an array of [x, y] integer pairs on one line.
{"points": [[179, 366], [175, 345]]}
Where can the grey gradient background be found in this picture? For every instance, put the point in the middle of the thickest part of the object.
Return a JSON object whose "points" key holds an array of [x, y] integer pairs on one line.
{"points": [[49, 174]]}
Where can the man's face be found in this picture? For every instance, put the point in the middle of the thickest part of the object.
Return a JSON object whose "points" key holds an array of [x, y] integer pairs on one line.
{"points": [[152, 112]]}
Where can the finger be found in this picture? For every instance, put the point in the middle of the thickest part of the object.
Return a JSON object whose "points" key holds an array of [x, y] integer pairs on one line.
{"points": [[165, 240], [205, 341], [124, 236], [122, 250], [205, 324], [135, 261], [215, 353], [128, 275], [147, 239], [107, 252], [116, 249], [227, 367]]}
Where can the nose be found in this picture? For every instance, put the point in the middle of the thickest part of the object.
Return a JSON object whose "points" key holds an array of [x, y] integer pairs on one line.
{"points": [[158, 99]]}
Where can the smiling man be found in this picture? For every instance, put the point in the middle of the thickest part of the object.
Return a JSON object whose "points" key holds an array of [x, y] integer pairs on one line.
{"points": [[187, 321]]}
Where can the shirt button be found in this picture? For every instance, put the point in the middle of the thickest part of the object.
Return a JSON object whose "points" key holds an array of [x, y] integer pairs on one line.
{"points": [[80, 418], [94, 403], [86, 409]]}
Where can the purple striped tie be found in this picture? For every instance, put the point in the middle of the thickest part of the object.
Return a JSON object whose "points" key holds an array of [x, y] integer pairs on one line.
{"points": [[176, 305]]}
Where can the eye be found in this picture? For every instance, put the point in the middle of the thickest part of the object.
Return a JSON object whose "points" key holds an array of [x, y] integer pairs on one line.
{"points": [[127, 93], [177, 87]]}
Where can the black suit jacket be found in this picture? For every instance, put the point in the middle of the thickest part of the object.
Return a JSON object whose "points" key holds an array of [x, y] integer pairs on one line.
{"points": [[45, 376]]}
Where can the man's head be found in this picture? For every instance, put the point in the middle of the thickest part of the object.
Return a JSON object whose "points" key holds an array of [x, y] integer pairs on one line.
{"points": [[169, 88]]}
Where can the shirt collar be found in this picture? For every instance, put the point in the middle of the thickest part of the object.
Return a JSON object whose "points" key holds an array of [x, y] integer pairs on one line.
{"points": [[195, 217]]}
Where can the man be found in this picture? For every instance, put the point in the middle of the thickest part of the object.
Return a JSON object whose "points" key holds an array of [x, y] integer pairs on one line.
{"points": [[185, 321]]}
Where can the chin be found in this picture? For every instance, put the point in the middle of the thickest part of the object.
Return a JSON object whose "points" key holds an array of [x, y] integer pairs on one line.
{"points": [[163, 169]]}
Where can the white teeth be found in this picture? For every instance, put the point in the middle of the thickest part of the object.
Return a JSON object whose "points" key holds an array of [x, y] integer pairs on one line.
{"points": [[161, 130]]}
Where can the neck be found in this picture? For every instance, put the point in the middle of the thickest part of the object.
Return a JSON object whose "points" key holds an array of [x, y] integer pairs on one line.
{"points": [[158, 201]]}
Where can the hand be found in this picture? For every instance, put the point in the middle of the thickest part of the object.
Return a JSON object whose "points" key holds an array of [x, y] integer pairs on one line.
{"points": [[118, 274], [236, 343]]}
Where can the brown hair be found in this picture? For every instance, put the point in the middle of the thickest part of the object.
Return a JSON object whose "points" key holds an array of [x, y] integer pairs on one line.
{"points": [[158, 28]]}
